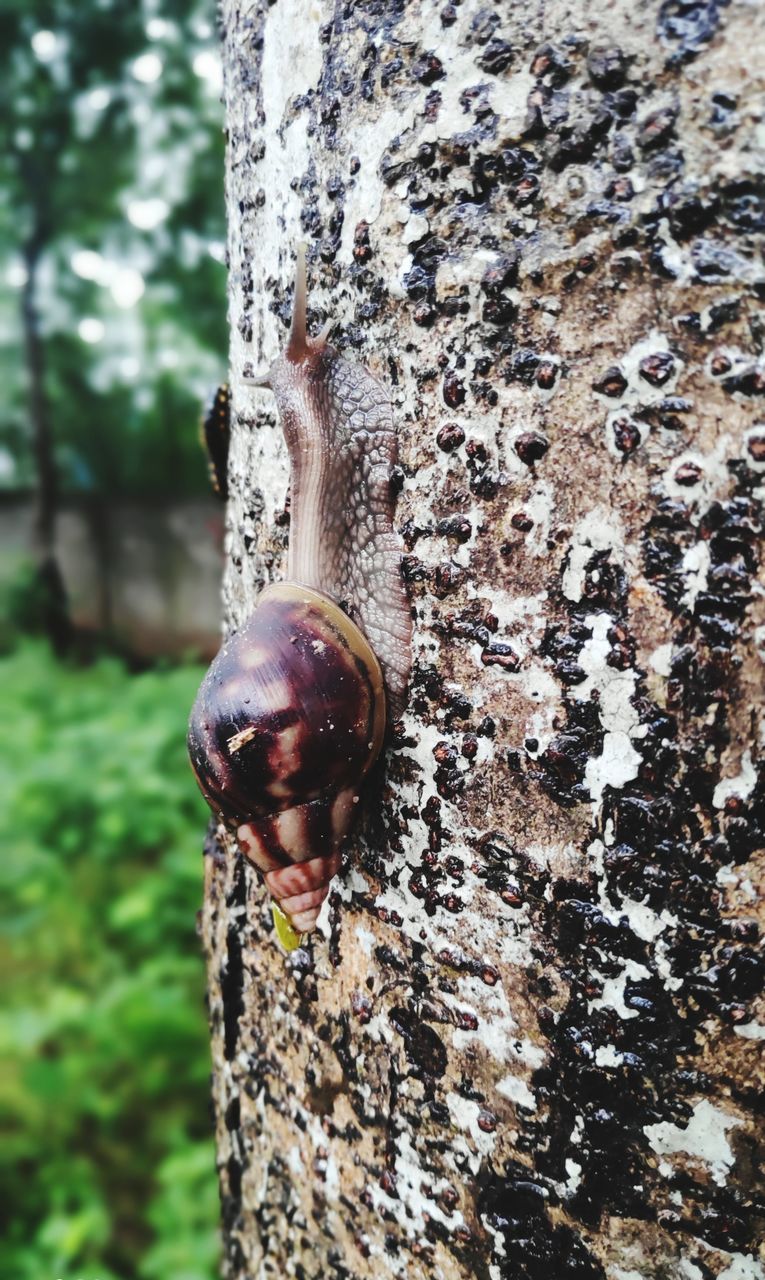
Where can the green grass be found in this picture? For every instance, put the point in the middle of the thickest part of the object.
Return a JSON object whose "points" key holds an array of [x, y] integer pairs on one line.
{"points": [[107, 1163]]}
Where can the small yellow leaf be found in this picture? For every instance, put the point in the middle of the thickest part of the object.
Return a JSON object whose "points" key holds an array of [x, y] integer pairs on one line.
{"points": [[287, 935]]}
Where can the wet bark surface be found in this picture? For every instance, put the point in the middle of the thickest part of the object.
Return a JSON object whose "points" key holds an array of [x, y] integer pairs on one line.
{"points": [[526, 1043]]}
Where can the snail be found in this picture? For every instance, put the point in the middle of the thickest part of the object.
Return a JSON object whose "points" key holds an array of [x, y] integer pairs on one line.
{"points": [[215, 431], [292, 712]]}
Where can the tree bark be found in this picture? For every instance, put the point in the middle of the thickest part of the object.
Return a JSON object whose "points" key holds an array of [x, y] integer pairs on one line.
{"points": [[526, 1042]]}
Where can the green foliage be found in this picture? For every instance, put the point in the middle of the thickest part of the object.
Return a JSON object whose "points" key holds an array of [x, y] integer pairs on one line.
{"points": [[22, 605], [107, 1159]]}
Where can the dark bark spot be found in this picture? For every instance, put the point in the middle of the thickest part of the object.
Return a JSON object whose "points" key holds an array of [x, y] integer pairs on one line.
{"points": [[657, 128], [626, 435], [657, 368], [500, 655], [612, 383], [424, 1048], [531, 446], [497, 55], [607, 67], [428, 69], [453, 391], [450, 437], [232, 976]]}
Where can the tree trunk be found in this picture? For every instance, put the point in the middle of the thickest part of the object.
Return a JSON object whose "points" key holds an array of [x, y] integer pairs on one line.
{"points": [[53, 603], [525, 1042]]}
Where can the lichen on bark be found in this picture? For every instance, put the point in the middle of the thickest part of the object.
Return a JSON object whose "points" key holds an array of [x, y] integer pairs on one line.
{"points": [[525, 1044]]}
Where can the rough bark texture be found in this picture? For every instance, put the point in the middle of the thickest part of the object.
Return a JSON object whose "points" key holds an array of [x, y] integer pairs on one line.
{"points": [[526, 1043]]}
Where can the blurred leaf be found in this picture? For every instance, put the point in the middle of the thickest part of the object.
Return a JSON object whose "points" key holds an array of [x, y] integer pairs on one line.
{"points": [[107, 1166]]}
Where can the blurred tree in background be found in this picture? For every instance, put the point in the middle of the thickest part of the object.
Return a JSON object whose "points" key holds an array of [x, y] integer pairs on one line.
{"points": [[112, 216], [112, 329]]}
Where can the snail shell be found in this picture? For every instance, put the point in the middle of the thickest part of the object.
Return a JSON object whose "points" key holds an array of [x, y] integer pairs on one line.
{"points": [[288, 720], [291, 714]]}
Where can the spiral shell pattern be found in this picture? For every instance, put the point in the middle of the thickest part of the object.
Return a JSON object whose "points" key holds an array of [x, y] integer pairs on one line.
{"points": [[287, 722]]}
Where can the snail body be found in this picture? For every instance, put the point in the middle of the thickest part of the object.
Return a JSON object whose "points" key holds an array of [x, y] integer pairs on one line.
{"points": [[291, 714]]}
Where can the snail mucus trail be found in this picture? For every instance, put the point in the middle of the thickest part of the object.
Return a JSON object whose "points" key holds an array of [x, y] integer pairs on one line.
{"points": [[291, 714]]}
